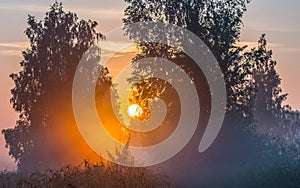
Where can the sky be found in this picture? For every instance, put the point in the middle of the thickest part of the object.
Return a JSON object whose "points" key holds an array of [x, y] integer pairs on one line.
{"points": [[278, 19]]}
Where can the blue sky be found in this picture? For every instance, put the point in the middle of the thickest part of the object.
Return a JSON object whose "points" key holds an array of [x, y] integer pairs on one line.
{"points": [[278, 19]]}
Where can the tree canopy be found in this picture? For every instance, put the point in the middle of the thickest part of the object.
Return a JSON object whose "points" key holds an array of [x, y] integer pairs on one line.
{"points": [[254, 96], [46, 132]]}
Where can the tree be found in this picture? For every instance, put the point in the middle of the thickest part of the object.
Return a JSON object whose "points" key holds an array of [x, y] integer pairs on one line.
{"points": [[218, 24], [253, 88], [46, 134], [266, 81], [272, 117]]}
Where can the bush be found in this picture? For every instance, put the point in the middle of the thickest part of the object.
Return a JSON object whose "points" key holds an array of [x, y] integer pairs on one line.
{"points": [[86, 175]]}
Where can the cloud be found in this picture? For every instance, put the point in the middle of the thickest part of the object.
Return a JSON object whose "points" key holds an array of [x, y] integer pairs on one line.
{"points": [[13, 48], [251, 44], [15, 45], [111, 13], [110, 16], [268, 26], [291, 50], [276, 47], [109, 48], [27, 8]]}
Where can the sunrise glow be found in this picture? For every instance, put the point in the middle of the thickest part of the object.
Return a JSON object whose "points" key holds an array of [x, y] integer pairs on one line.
{"points": [[134, 110]]}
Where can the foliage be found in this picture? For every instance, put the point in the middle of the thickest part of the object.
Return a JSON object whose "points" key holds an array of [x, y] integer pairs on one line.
{"points": [[86, 175], [144, 92], [265, 79], [42, 94], [271, 116], [218, 24], [254, 95]]}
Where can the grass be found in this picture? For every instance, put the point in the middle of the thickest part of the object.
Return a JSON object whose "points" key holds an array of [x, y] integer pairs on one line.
{"points": [[85, 175]]}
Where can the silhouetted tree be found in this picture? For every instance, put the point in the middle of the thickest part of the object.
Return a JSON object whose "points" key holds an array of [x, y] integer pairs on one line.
{"points": [[272, 117], [266, 81], [250, 79], [218, 24], [46, 134]]}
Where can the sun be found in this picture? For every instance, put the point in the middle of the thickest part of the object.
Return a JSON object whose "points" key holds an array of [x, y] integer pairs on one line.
{"points": [[134, 110]]}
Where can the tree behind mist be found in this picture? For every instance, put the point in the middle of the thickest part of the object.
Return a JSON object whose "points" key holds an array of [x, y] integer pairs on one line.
{"points": [[45, 134], [272, 116], [254, 95]]}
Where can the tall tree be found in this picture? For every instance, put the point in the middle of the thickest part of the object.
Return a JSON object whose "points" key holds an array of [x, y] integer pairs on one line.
{"points": [[217, 23], [266, 81], [250, 79], [272, 117], [46, 134]]}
